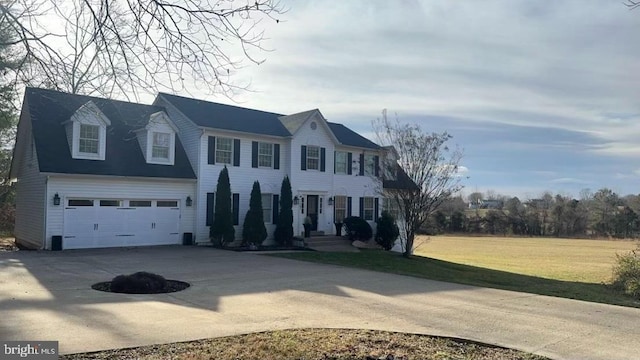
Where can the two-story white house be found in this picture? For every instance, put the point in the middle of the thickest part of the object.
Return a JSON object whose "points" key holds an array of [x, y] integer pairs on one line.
{"points": [[95, 172]]}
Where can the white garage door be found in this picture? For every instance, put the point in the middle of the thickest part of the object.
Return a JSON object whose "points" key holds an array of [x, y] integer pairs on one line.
{"points": [[90, 223]]}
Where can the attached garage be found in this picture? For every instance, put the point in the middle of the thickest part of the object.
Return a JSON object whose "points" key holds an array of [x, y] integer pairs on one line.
{"points": [[90, 223]]}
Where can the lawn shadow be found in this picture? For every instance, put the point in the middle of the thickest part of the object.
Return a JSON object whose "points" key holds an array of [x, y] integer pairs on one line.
{"points": [[435, 269]]}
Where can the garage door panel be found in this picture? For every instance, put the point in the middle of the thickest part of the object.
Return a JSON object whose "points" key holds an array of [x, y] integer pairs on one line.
{"points": [[142, 222]]}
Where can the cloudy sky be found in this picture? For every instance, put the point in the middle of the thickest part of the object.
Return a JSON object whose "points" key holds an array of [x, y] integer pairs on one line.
{"points": [[542, 95]]}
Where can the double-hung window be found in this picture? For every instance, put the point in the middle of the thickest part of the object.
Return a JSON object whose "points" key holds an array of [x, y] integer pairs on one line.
{"points": [[340, 208], [89, 139], [368, 208], [267, 207], [313, 158], [369, 165], [160, 147], [224, 150], [341, 162], [265, 155]]}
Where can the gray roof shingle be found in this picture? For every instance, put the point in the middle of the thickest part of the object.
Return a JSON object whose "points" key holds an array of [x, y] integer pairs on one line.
{"points": [[349, 137], [228, 117], [48, 109]]}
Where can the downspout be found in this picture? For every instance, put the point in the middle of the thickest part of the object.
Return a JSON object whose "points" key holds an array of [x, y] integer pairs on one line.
{"points": [[44, 219], [198, 172]]}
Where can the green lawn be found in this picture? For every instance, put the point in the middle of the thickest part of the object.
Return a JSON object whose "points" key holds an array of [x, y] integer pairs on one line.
{"points": [[579, 260], [436, 269]]}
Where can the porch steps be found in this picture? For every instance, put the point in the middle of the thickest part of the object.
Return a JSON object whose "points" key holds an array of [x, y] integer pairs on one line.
{"points": [[330, 243], [316, 233]]}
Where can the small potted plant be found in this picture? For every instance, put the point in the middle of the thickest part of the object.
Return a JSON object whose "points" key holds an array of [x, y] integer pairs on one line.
{"points": [[307, 226]]}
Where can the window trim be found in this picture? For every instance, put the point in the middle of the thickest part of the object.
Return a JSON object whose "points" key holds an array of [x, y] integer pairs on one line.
{"points": [[369, 165], [96, 139], [230, 151], [365, 208], [317, 158], [154, 146], [272, 155], [339, 204], [346, 162]]}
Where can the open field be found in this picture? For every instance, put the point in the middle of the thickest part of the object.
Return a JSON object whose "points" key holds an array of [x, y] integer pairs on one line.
{"points": [[578, 260]]}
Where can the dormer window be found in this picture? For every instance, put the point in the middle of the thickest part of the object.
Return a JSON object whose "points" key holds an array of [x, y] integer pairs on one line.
{"points": [[89, 142], [158, 139], [87, 132], [160, 148]]}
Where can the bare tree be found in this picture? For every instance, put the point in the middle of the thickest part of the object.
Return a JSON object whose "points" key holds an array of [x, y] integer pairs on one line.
{"points": [[128, 46], [428, 162]]}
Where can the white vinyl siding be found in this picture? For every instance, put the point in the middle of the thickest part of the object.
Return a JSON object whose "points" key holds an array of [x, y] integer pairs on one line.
{"points": [[31, 196]]}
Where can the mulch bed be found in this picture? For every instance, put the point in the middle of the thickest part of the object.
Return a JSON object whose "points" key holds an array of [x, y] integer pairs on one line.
{"points": [[172, 286], [317, 344]]}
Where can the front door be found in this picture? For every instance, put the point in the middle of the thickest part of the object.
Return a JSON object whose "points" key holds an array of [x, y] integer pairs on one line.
{"points": [[312, 211]]}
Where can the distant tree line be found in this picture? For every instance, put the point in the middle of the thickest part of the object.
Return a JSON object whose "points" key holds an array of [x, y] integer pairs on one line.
{"points": [[600, 214]]}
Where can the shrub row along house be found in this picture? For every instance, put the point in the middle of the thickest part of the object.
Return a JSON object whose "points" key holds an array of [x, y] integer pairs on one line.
{"points": [[95, 172]]}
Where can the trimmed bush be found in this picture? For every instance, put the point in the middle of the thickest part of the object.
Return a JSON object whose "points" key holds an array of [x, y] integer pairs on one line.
{"points": [[222, 231], [284, 229], [139, 283], [387, 231], [626, 273], [357, 228], [253, 229]]}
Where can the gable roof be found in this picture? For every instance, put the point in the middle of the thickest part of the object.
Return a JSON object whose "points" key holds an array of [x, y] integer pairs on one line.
{"points": [[293, 122], [48, 110], [228, 117], [349, 137]]}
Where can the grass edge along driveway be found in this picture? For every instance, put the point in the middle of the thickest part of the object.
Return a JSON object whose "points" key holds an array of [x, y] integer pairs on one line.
{"points": [[433, 269]]}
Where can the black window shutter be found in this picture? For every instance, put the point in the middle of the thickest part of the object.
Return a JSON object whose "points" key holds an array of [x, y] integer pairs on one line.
{"points": [[376, 208], [361, 164], [276, 208], [349, 163], [362, 207], [376, 161], [349, 206], [335, 155], [236, 152], [210, 207], [211, 158], [322, 158], [254, 154], [236, 209], [276, 156], [303, 158]]}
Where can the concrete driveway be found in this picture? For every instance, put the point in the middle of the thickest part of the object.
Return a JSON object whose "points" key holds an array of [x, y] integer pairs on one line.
{"points": [[47, 296]]}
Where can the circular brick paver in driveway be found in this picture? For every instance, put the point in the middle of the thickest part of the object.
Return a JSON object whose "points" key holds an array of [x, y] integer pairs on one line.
{"points": [[48, 296]]}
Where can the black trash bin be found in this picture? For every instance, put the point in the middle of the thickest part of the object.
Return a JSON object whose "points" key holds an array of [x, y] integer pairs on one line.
{"points": [[56, 243], [187, 239]]}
